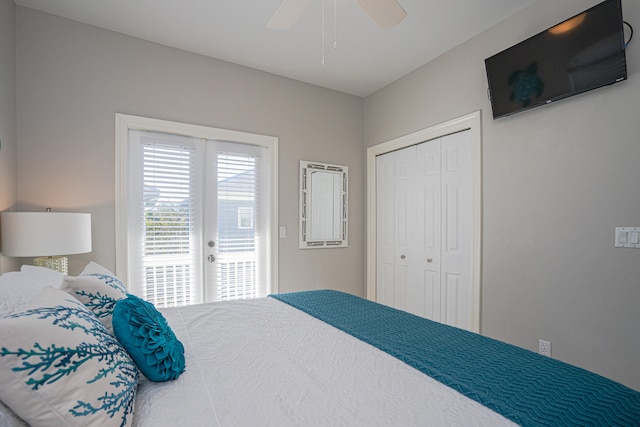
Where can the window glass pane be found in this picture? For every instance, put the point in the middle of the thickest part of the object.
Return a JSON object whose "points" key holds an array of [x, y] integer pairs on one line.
{"points": [[245, 218], [168, 223], [238, 200], [163, 215]]}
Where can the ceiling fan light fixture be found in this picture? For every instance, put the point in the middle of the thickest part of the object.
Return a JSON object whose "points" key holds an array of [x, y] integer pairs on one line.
{"points": [[385, 13], [288, 14]]}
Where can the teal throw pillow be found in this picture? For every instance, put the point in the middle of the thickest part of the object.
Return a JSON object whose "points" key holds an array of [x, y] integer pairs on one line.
{"points": [[145, 334]]}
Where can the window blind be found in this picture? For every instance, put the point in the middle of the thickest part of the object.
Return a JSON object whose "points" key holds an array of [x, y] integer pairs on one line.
{"points": [[238, 219], [165, 219], [168, 209]]}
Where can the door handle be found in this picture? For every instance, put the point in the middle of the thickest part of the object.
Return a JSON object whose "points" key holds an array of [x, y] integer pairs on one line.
{"points": [[211, 258], [429, 259], [402, 256]]}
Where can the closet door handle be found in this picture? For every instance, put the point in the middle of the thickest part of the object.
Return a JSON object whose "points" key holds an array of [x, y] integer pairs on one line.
{"points": [[429, 259], [402, 257]]}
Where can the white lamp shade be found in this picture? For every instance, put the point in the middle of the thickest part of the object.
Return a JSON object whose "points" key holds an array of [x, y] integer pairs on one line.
{"points": [[36, 234]]}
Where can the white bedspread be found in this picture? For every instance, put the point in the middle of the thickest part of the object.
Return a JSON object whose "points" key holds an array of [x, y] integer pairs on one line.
{"points": [[263, 363]]}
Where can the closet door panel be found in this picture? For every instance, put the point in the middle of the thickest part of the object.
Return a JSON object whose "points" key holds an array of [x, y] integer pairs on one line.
{"points": [[452, 299], [404, 163], [451, 224], [457, 229], [431, 306], [385, 212], [405, 214], [427, 190]]}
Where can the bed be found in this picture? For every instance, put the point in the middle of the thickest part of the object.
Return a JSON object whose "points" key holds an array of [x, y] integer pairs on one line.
{"points": [[326, 358]]}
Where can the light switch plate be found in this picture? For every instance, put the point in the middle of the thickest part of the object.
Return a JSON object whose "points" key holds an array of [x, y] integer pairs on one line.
{"points": [[627, 237]]}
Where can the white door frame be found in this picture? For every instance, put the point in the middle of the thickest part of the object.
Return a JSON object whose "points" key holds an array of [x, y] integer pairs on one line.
{"points": [[471, 122]]}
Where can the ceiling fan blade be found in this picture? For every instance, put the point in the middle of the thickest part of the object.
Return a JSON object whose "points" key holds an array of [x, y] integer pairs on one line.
{"points": [[386, 13], [288, 13]]}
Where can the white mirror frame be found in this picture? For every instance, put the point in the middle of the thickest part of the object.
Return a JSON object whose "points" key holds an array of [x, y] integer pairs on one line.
{"points": [[331, 216]]}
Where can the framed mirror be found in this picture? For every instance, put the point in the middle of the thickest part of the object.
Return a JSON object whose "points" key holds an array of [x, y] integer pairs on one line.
{"points": [[323, 205]]}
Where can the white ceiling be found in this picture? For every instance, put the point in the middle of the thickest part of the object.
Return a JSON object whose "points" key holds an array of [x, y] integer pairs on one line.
{"points": [[365, 59]]}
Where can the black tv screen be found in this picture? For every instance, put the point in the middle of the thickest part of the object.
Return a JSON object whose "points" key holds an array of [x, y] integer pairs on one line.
{"points": [[582, 53]]}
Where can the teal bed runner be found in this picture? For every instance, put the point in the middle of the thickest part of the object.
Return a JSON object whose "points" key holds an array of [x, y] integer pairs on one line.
{"points": [[519, 384]]}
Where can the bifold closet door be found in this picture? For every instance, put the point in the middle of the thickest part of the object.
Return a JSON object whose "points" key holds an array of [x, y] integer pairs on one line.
{"points": [[456, 231], [424, 229], [426, 298], [409, 221], [396, 212], [385, 229]]}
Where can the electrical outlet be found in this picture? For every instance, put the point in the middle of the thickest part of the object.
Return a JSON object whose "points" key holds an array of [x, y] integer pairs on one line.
{"points": [[544, 348]]}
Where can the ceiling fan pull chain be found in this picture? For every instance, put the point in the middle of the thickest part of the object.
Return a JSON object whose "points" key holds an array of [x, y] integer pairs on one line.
{"points": [[335, 24], [323, 32]]}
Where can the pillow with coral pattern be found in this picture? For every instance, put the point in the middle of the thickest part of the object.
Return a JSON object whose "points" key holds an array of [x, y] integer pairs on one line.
{"points": [[60, 366], [98, 289], [96, 270], [145, 334]]}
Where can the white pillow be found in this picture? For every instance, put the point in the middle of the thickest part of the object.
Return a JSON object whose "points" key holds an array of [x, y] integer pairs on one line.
{"points": [[96, 295], [95, 269], [19, 288], [98, 289], [60, 366], [46, 276]]}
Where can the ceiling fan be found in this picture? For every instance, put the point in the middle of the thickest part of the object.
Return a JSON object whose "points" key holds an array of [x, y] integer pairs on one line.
{"points": [[386, 13]]}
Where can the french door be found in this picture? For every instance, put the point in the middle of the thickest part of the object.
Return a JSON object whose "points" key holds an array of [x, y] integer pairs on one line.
{"points": [[198, 219], [234, 218]]}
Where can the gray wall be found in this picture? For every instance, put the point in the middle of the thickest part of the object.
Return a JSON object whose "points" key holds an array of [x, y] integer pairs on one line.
{"points": [[73, 78], [8, 133], [557, 180]]}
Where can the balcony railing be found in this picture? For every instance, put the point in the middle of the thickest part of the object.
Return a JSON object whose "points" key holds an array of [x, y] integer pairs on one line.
{"points": [[170, 280], [236, 276]]}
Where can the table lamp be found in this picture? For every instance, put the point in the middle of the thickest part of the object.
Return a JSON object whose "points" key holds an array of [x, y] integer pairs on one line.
{"points": [[48, 236]]}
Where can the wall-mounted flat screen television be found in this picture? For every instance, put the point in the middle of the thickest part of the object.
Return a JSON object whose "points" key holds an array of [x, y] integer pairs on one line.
{"points": [[582, 53]]}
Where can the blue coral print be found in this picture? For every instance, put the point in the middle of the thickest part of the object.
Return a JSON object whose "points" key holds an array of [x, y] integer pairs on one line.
{"points": [[102, 305], [114, 282], [48, 364]]}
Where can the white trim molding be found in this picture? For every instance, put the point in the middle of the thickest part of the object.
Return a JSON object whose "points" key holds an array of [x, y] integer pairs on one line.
{"points": [[471, 122]]}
